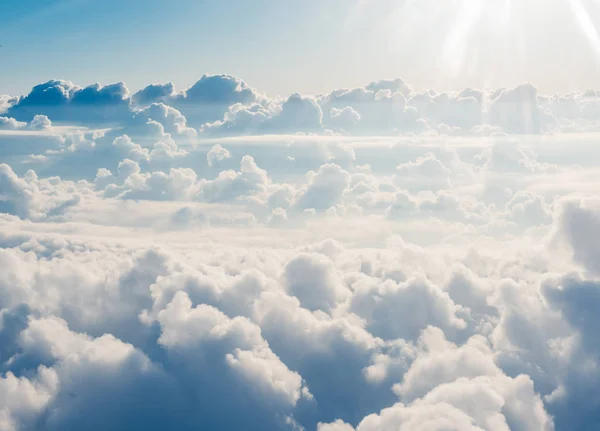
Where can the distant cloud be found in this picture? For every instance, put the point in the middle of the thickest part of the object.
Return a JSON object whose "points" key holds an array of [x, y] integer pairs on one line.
{"points": [[62, 101], [204, 102], [225, 105]]}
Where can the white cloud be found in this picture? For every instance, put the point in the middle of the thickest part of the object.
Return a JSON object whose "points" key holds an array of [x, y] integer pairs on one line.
{"points": [[171, 120], [245, 351], [425, 173], [325, 188], [345, 118], [576, 221], [216, 154], [41, 122], [517, 110], [231, 184], [312, 279], [7, 123], [321, 278]]}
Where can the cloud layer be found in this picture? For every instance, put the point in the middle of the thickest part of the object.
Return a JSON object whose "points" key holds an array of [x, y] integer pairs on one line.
{"points": [[367, 259], [226, 105]]}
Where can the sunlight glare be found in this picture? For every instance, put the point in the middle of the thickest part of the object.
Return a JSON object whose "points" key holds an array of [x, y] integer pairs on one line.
{"points": [[486, 38], [586, 25]]}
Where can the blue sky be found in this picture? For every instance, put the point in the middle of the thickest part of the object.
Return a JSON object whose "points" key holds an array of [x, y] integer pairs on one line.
{"points": [[308, 46], [269, 43]]}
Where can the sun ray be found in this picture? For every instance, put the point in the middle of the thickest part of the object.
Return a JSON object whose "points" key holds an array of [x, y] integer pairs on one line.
{"points": [[489, 42], [456, 45], [586, 25]]}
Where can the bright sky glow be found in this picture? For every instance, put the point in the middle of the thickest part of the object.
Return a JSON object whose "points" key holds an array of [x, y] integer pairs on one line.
{"points": [[302, 45]]}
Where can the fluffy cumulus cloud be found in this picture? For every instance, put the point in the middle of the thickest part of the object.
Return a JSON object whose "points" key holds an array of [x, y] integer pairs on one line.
{"points": [[373, 258], [65, 102], [204, 102], [226, 105]]}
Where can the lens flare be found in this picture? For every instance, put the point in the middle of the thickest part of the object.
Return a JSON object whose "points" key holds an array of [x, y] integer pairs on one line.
{"points": [[586, 25], [491, 42], [454, 51]]}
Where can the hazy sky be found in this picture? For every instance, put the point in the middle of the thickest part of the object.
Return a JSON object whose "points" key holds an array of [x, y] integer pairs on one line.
{"points": [[307, 46]]}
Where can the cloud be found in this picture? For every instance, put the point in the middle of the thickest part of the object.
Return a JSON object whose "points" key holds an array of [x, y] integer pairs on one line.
{"points": [[154, 93], [231, 184], [346, 118], [171, 120], [527, 208], [370, 258], [576, 218], [225, 104], [216, 154], [463, 111], [448, 407], [85, 370], [418, 302], [509, 156], [31, 197], [380, 106], [6, 101], [297, 113], [517, 110], [424, 173], [41, 122], [62, 101], [325, 188], [204, 102], [313, 280], [245, 352], [38, 123], [7, 123], [443, 387], [177, 184]]}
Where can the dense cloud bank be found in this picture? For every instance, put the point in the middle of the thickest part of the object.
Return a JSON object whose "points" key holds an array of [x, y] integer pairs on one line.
{"points": [[158, 275], [218, 105]]}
